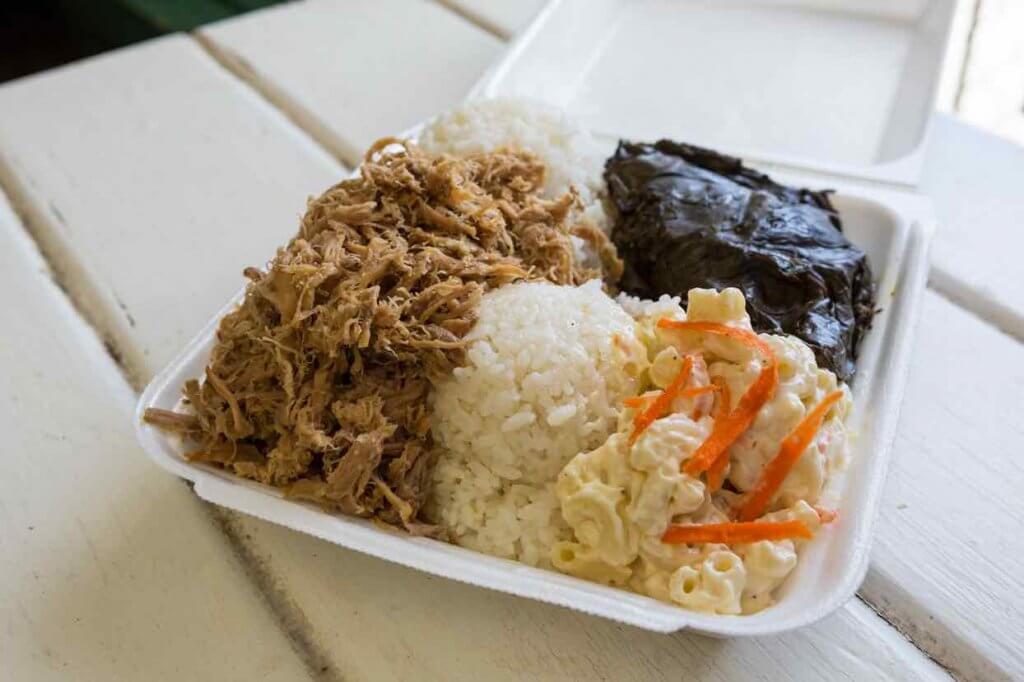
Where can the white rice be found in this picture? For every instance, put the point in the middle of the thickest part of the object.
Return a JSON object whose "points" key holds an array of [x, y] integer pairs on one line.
{"points": [[571, 154], [543, 382], [665, 306]]}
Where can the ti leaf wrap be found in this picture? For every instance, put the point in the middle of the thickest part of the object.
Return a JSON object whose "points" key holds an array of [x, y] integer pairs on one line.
{"points": [[691, 217]]}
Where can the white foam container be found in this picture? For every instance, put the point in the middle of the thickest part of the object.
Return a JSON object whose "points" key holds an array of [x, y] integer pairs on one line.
{"points": [[894, 227]]}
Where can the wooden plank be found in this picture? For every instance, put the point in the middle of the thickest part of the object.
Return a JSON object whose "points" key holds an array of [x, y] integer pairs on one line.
{"points": [[975, 180], [992, 93], [360, 70], [949, 555], [504, 18], [151, 192], [109, 569]]}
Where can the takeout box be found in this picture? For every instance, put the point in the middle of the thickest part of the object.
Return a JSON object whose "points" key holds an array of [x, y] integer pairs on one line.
{"points": [[890, 223]]}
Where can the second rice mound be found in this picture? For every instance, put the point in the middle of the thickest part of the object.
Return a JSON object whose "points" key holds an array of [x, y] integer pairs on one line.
{"points": [[547, 369]]}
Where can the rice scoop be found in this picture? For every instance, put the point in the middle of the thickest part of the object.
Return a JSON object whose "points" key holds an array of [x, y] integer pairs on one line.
{"points": [[547, 368]]}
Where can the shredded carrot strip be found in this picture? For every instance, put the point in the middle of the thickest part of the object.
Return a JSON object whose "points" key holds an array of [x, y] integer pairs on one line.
{"points": [[636, 401], [724, 403], [730, 427], [733, 532], [716, 472], [826, 515], [663, 402], [697, 390], [775, 472]]}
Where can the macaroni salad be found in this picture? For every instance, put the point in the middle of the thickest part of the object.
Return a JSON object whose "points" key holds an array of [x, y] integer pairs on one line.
{"points": [[621, 498]]}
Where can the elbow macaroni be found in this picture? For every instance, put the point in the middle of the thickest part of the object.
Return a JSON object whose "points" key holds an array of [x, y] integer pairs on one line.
{"points": [[716, 585], [620, 498], [617, 494], [768, 564]]}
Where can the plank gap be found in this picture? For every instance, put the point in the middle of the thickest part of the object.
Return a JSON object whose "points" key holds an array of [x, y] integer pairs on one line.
{"points": [[975, 14], [977, 303], [476, 19], [71, 278], [289, 615], [905, 632], [239, 68]]}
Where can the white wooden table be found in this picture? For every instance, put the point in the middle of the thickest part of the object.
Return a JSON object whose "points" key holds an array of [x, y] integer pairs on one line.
{"points": [[118, 171]]}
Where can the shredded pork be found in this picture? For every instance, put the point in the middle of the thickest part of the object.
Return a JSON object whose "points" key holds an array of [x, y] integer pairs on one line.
{"points": [[318, 381]]}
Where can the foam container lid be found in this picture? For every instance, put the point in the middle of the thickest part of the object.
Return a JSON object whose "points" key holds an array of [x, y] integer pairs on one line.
{"points": [[843, 86]]}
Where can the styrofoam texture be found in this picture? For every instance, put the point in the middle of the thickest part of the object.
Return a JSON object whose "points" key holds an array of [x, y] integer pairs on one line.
{"points": [[894, 229], [843, 86]]}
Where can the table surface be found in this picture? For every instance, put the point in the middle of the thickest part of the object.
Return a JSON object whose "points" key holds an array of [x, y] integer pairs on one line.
{"points": [[135, 188]]}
